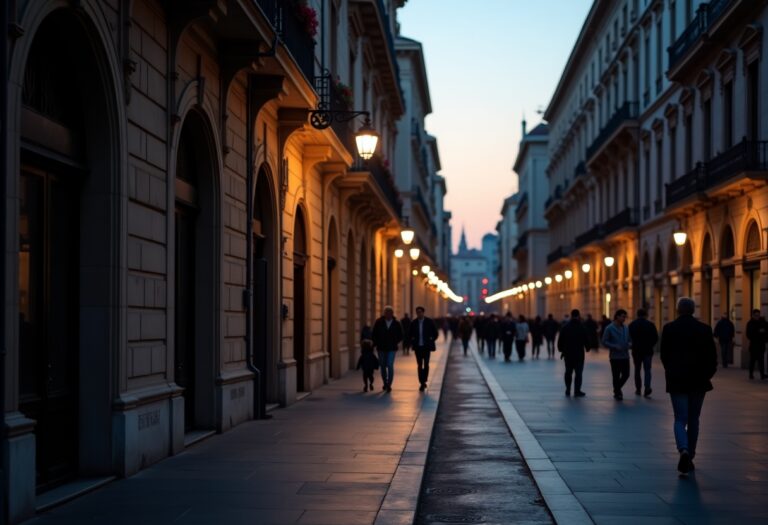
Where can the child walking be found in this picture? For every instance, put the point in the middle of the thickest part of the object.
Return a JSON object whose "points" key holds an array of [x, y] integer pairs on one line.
{"points": [[368, 361]]}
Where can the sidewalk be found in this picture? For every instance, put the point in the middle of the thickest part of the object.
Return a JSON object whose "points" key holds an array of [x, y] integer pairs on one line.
{"points": [[619, 458], [338, 457]]}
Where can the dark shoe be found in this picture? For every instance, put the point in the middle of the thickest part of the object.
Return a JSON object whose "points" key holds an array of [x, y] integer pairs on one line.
{"points": [[389, 388], [567, 393], [365, 388], [422, 387], [648, 392], [579, 394], [618, 396], [637, 392], [684, 465]]}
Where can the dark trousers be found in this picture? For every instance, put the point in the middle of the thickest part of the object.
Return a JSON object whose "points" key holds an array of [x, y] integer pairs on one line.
{"points": [[368, 376], [491, 347], [725, 352], [550, 347], [480, 343], [465, 344], [574, 365], [645, 363], [507, 345], [422, 363], [756, 355], [520, 347], [620, 372]]}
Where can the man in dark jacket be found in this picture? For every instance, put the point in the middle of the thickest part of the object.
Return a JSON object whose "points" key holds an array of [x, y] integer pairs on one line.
{"points": [[644, 337], [572, 344], [387, 334], [423, 334], [507, 335], [724, 333], [756, 333], [492, 331], [551, 327], [690, 360]]}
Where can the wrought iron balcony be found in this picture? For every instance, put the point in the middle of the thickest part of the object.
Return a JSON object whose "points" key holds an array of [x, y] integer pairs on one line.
{"points": [[293, 33], [687, 185], [591, 235], [557, 254], [626, 218], [706, 16], [384, 180], [628, 111]]}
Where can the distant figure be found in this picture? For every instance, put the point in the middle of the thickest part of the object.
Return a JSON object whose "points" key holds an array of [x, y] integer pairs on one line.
{"points": [[453, 322], [480, 323], [756, 333], [521, 337], [507, 335], [405, 322], [387, 334], [423, 334], [537, 336], [492, 331], [551, 327], [465, 332], [616, 339], [572, 344], [725, 331], [445, 326], [367, 361], [604, 323], [644, 337], [690, 360], [593, 341]]}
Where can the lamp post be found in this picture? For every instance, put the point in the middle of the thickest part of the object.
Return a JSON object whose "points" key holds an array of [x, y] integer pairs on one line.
{"points": [[679, 236], [413, 253]]}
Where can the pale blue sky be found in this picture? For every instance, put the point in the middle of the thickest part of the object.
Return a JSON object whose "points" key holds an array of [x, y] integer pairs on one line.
{"points": [[489, 62]]}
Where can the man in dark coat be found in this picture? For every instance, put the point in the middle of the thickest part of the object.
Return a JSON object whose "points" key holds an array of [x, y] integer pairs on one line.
{"points": [[551, 327], [756, 333], [644, 337], [480, 323], [405, 322], [690, 360], [572, 344], [492, 331], [387, 334], [507, 335], [724, 333], [422, 335]]}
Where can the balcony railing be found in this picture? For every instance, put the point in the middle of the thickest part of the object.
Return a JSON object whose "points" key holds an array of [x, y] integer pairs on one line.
{"points": [[689, 184], [581, 170], [706, 15], [556, 255], [520, 205], [591, 235], [626, 218], [292, 30], [384, 180], [628, 111]]}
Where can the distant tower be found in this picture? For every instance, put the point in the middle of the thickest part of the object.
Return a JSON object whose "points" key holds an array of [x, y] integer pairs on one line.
{"points": [[463, 241]]}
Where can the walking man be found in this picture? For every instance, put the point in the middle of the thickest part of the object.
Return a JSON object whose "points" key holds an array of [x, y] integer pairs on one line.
{"points": [[551, 327], [422, 337], [521, 336], [387, 334], [616, 339], [405, 322], [507, 335], [465, 331], [572, 344], [756, 333], [593, 343], [644, 337], [724, 333], [690, 360], [492, 331]]}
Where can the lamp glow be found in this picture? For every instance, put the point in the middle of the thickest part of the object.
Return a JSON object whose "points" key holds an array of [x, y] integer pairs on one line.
{"points": [[399, 252], [680, 237], [547, 280], [407, 234], [415, 273], [425, 269], [608, 260], [538, 284], [366, 139], [586, 267], [568, 274], [559, 278], [414, 253]]}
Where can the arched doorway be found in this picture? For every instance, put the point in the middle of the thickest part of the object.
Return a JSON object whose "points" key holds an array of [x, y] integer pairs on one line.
{"points": [[332, 301], [66, 240], [727, 274], [265, 304], [299, 299], [195, 284], [352, 330]]}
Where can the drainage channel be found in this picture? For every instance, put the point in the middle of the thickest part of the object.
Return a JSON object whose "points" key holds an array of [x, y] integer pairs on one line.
{"points": [[475, 473]]}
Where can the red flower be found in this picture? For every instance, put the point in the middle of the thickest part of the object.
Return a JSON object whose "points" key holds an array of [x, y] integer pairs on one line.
{"points": [[308, 17]]}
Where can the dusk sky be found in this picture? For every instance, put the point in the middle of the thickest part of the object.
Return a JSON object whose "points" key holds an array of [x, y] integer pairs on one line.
{"points": [[489, 63]]}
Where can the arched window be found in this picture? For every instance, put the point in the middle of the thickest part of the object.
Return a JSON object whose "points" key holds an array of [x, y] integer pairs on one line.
{"points": [[726, 244], [706, 250], [658, 261], [752, 243]]}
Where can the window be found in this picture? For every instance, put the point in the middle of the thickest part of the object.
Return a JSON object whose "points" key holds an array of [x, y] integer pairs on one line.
{"points": [[624, 19], [688, 11], [753, 101], [689, 142], [648, 180], [728, 114], [672, 153], [672, 21], [659, 173], [647, 69], [659, 57], [707, 150]]}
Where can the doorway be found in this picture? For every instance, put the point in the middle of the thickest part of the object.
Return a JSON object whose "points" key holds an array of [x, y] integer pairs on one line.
{"points": [[299, 299]]}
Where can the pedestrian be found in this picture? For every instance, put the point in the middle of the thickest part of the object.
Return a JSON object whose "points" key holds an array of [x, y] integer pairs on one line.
{"points": [[405, 322], [593, 340], [465, 332], [604, 323], [446, 326], [423, 334], [644, 337], [387, 334], [492, 331], [756, 333], [521, 336], [537, 336], [507, 335], [572, 344], [480, 323], [367, 361], [454, 324], [724, 332], [551, 327], [690, 360], [616, 340]]}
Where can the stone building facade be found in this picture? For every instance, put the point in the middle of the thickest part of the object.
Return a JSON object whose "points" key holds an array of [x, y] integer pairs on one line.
{"points": [[659, 125], [182, 249]]}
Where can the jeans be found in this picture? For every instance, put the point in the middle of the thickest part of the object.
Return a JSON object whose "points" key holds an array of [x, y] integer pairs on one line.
{"points": [[756, 356], [551, 347], [465, 344], [620, 372], [507, 346], [574, 364], [687, 408], [491, 347], [520, 347], [422, 363], [725, 352], [387, 364], [644, 362]]}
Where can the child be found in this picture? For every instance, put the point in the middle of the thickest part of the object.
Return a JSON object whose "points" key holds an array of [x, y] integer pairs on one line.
{"points": [[368, 361]]}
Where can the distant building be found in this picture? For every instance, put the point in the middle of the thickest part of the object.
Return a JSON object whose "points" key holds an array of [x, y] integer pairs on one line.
{"points": [[472, 271], [507, 239]]}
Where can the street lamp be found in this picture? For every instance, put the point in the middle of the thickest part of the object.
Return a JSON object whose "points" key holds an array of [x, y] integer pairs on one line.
{"points": [[568, 274], [608, 260], [407, 234], [679, 236], [414, 272], [414, 253], [425, 269], [531, 285], [399, 252], [586, 267], [558, 278], [366, 139], [547, 280], [538, 284]]}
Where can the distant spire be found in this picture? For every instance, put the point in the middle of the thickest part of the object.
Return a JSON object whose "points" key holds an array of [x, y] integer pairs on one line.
{"points": [[463, 241], [525, 125]]}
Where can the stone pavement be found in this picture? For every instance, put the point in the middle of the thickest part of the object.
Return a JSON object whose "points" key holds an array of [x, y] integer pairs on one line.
{"points": [[619, 458], [338, 457]]}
